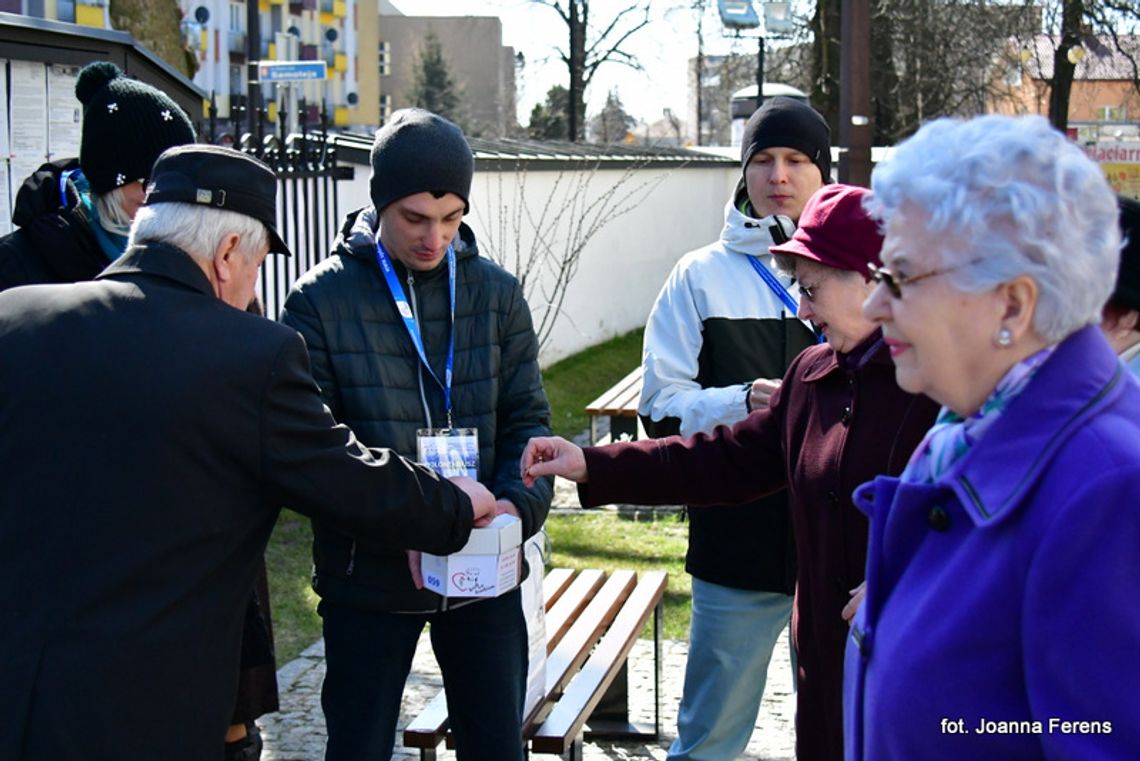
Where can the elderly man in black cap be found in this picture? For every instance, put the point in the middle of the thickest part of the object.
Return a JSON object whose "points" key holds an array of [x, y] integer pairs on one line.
{"points": [[1121, 322], [152, 431], [412, 334], [720, 336]]}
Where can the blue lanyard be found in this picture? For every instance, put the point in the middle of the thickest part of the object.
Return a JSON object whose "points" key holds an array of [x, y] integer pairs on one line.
{"points": [[405, 311], [777, 288]]}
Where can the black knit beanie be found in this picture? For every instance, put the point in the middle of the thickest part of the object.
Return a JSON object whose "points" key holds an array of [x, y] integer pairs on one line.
{"points": [[784, 122], [1127, 292], [419, 152], [126, 125]]}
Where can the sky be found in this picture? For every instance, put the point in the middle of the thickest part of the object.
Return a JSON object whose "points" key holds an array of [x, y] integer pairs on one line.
{"points": [[663, 47]]}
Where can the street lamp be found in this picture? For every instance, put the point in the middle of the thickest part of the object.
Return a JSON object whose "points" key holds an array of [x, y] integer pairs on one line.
{"points": [[739, 15]]}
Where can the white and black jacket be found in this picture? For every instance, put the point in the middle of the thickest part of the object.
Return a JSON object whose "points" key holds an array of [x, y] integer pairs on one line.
{"points": [[715, 327]]}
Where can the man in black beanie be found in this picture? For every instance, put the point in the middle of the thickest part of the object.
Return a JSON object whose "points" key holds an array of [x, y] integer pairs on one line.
{"points": [[1121, 323], [73, 214], [720, 336], [413, 336]]}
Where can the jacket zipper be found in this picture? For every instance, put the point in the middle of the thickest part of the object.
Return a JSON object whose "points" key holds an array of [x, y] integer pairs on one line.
{"points": [[420, 376]]}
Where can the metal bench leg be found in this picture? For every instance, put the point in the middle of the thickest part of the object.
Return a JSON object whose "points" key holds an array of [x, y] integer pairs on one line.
{"points": [[658, 612], [575, 751], [427, 754]]}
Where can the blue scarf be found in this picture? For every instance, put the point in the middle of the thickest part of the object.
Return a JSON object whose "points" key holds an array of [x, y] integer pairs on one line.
{"points": [[952, 436], [112, 244]]}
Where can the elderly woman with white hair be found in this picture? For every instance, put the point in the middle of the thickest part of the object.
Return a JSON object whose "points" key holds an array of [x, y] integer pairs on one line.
{"points": [[1000, 618]]}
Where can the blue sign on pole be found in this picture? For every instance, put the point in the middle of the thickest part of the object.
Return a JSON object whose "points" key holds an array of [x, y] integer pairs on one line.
{"points": [[291, 71]]}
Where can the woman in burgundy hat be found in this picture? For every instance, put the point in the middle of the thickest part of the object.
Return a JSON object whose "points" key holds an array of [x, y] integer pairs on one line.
{"points": [[838, 419]]}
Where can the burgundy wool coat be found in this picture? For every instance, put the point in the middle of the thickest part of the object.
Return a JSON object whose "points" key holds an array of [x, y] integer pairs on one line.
{"points": [[835, 424]]}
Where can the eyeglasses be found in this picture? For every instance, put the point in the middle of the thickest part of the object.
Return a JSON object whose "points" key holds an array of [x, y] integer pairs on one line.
{"points": [[895, 283], [808, 291]]}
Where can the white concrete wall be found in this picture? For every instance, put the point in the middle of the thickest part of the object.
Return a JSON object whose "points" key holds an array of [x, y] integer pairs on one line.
{"points": [[672, 210]]}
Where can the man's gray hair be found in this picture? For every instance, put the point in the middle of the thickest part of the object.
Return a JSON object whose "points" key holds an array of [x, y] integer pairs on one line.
{"points": [[197, 230], [1016, 195]]}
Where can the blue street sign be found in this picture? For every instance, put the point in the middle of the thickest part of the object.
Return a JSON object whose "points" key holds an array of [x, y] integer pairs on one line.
{"points": [[291, 71]]}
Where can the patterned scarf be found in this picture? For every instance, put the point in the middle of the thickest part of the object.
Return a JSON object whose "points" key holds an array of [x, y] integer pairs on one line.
{"points": [[952, 436]]}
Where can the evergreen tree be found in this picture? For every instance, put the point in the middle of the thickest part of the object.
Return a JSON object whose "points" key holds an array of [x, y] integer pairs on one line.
{"points": [[612, 124], [432, 86], [548, 121]]}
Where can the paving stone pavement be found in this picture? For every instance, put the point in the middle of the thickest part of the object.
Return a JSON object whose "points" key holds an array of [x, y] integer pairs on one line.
{"points": [[297, 731]]}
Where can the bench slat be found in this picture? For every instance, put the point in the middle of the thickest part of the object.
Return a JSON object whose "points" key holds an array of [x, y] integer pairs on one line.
{"points": [[554, 584], [560, 617], [617, 399], [429, 728], [575, 646], [569, 715]]}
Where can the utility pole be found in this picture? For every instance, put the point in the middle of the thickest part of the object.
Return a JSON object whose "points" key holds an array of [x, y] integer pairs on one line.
{"points": [[253, 53], [855, 128], [760, 72]]}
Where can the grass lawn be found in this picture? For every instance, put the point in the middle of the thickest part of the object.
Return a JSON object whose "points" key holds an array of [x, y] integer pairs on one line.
{"points": [[574, 382], [592, 540], [606, 540]]}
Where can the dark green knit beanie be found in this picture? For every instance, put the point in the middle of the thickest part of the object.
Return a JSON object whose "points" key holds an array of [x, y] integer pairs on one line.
{"points": [[126, 125]]}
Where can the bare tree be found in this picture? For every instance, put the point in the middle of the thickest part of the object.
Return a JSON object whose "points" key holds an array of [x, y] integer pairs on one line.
{"points": [[541, 237], [155, 24], [591, 46], [1072, 30]]}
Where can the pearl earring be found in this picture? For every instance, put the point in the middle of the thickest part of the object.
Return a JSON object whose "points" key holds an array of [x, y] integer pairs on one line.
{"points": [[1004, 337]]}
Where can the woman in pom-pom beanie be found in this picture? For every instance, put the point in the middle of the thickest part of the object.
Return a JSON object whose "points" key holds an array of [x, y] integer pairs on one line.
{"points": [[73, 214]]}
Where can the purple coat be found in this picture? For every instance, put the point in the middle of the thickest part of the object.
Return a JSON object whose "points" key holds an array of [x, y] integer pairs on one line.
{"points": [[1006, 596], [828, 429]]}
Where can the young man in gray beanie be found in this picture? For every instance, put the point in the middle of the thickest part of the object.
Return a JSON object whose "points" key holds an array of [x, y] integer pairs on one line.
{"points": [[411, 331], [720, 336]]}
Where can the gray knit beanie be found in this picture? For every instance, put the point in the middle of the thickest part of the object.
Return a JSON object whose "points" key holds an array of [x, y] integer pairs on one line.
{"points": [[126, 125], [419, 152], [784, 122]]}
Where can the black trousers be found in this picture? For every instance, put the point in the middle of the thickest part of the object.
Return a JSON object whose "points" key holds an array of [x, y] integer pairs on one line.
{"points": [[482, 651]]}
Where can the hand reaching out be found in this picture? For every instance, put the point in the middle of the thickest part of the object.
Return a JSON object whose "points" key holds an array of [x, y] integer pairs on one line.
{"points": [[761, 393], [852, 606], [552, 456], [482, 501]]}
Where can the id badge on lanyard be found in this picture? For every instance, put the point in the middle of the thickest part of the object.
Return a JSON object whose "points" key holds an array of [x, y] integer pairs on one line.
{"points": [[449, 451]]}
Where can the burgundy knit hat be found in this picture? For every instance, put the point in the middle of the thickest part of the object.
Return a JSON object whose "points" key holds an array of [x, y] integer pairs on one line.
{"points": [[836, 231]]}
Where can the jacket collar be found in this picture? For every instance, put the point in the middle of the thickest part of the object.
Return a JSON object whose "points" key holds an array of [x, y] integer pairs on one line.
{"points": [[357, 238], [160, 260], [747, 235], [1074, 384], [826, 362]]}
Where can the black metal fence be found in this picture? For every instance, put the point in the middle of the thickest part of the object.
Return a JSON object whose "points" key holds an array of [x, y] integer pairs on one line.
{"points": [[305, 161]]}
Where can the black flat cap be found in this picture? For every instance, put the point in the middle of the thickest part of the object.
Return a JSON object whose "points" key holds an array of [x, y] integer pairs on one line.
{"points": [[222, 178]]}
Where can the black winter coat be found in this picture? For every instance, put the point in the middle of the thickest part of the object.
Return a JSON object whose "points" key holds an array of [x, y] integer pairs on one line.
{"points": [[151, 433], [54, 242], [371, 378]]}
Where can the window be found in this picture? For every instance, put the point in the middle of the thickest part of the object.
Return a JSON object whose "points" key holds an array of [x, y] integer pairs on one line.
{"points": [[1111, 114], [237, 17], [385, 58], [385, 108]]}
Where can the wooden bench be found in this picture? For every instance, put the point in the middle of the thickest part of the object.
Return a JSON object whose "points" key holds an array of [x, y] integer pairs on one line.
{"points": [[592, 623], [619, 404]]}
